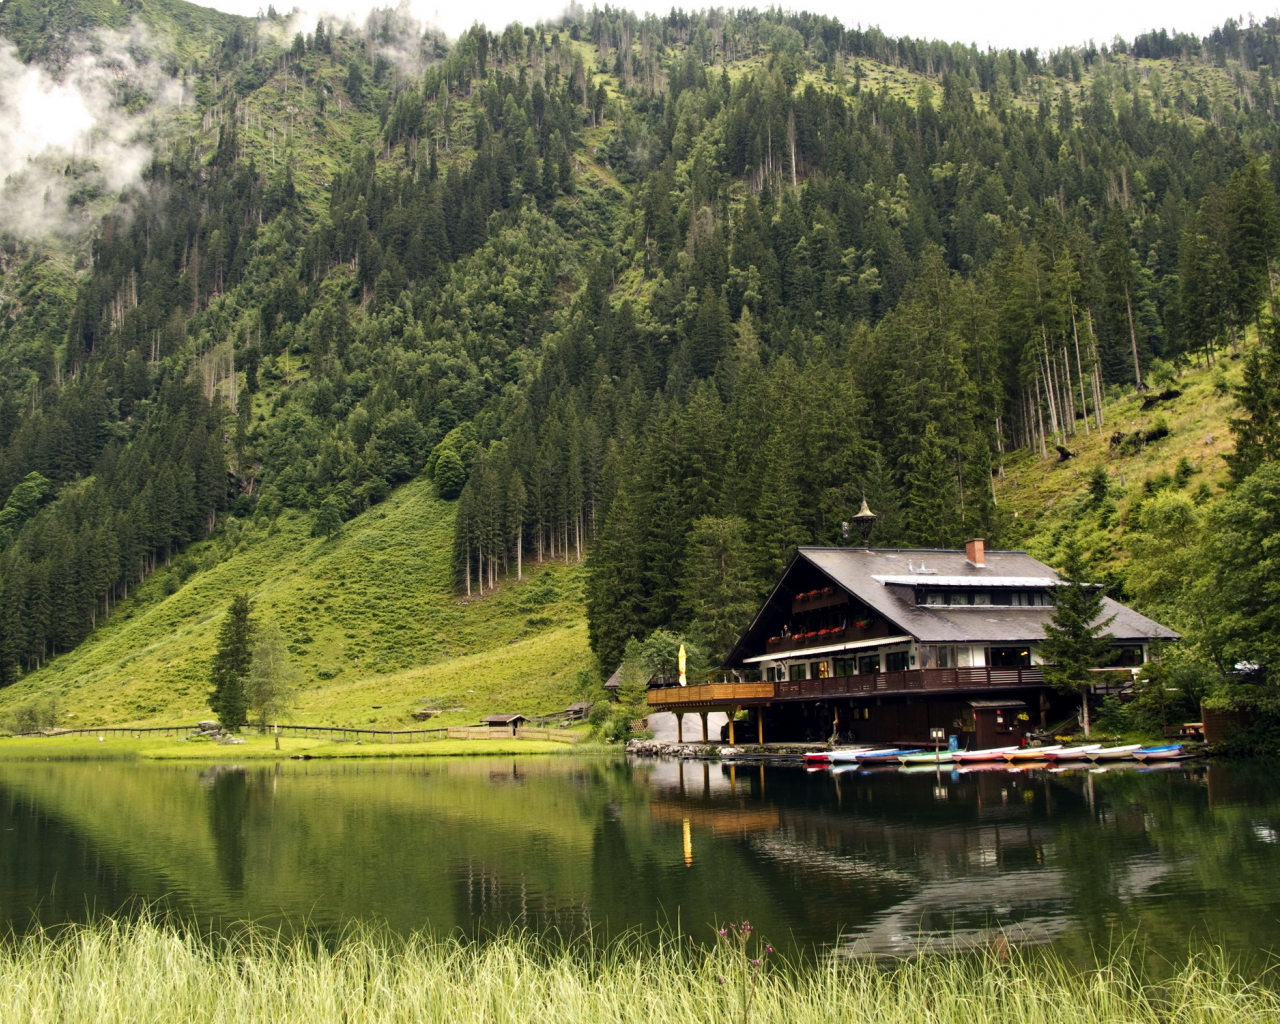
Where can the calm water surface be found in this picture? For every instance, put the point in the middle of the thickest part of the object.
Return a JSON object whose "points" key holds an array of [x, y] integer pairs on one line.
{"points": [[883, 862]]}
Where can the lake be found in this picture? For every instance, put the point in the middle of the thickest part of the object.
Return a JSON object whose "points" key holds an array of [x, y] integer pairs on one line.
{"points": [[884, 862]]}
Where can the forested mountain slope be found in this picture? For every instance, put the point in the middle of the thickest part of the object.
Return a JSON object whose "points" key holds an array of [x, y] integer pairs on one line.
{"points": [[667, 296]]}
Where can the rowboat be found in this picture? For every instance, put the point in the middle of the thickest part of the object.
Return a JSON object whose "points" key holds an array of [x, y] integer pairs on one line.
{"points": [[881, 756], [931, 757], [990, 754], [1030, 753], [1124, 753], [1167, 753], [1071, 753]]}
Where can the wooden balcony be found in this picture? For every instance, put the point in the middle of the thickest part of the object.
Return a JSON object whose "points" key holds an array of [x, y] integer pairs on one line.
{"points": [[875, 630], [929, 680], [711, 693]]}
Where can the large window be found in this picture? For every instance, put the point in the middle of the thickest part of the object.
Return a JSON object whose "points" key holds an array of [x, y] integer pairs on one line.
{"points": [[845, 667], [820, 670], [938, 656], [1010, 657], [869, 665], [799, 671], [895, 661]]}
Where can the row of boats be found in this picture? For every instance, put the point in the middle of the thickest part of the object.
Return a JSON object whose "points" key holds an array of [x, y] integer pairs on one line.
{"points": [[1012, 755]]}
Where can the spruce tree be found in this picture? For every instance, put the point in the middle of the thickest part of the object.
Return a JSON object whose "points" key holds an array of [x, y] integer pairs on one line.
{"points": [[231, 664], [1075, 637]]}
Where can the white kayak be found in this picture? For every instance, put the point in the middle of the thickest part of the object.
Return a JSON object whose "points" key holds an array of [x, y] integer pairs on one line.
{"points": [[848, 754], [990, 754], [1030, 753], [1124, 753], [1072, 753]]}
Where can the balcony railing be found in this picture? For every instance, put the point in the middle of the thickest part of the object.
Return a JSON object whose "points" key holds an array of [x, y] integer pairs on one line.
{"points": [[928, 680], [711, 693], [912, 680], [874, 631]]}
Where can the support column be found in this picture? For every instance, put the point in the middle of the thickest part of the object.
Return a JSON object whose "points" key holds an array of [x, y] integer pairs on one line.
{"points": [[679, 726], [703, 716], [732, 738], [760, 726]]}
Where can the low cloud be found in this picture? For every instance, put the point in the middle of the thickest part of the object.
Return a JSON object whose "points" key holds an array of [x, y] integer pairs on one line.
{"points": [[86, 132]]}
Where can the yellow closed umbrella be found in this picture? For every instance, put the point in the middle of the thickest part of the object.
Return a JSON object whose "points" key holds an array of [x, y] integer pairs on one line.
{"points": [[683, 659]]}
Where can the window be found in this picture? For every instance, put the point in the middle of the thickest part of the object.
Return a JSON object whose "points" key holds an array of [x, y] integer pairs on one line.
{"points": [[869, 665], [819, 670], [938, 656], [957, 597], [982, 597], [895, 661], [1020, 598], [773, 674], [799, 671], [934, 597], [1125, 656], [845, 667], [1010, 657]]}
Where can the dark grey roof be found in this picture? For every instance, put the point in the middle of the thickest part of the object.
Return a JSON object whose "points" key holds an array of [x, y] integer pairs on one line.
{"points": [[614, 681], [503, 719], [853, 569]]}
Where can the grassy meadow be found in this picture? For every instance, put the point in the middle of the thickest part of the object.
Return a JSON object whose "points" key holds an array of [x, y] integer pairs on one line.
{"points": [[263, 748], [142, 971], [374, 627]]}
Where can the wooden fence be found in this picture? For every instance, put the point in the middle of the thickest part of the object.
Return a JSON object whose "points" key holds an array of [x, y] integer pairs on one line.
{"points": [[335, 732]]}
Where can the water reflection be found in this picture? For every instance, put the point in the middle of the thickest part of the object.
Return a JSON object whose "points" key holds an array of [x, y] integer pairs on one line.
{"points": [[864, 863]]}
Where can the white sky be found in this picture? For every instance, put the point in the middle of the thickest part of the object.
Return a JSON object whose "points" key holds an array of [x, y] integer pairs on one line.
{"points": [[1046, 24]]}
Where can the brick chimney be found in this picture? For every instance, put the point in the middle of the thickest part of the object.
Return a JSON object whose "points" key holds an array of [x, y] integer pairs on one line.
{"points": [[975, 553]]}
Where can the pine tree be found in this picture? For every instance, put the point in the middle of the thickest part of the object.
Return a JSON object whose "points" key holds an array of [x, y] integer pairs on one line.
{"points": [[1075, 641], [232, 661], [933, 506], [718, 585]]}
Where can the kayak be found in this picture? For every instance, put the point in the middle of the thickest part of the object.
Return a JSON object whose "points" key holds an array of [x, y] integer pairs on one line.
{"points": [[940, 757], [1114, 753], [848, 754], [990, 754], [1071, 753], [1166, 753], [879, 756], [1030, 753], [827, 756]]}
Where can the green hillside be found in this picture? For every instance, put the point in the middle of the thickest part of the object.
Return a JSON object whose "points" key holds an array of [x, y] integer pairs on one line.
{"points": [[648, 300], [374, 626]]}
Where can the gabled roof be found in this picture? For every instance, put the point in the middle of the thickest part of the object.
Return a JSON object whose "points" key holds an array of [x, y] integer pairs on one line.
{"points": [[504, 719], [884, 580]]}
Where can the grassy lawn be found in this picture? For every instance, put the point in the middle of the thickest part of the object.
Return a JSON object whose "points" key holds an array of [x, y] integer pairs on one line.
{"points": [[262, 748]]}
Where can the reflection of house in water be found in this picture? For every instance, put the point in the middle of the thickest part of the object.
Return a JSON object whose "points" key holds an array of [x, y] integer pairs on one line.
{"points": [[900, 863]]}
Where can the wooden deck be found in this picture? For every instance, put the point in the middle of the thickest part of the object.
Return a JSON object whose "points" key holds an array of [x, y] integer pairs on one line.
{"points": [[932, 680]]}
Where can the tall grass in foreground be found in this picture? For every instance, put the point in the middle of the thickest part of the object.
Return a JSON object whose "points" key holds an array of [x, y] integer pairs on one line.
{"points": [[142, 972]]}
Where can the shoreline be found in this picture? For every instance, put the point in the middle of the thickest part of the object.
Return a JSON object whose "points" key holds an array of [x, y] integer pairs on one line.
{"points": [[262, 748]]}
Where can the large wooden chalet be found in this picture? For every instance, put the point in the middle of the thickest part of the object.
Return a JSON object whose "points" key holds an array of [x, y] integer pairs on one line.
{"points": [[887, 646]]}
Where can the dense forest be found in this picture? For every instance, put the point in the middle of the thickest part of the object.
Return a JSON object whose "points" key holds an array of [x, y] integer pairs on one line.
{"points": [[668, 294]]}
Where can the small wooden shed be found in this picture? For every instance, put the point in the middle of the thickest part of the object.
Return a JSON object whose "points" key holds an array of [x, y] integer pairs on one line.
{"points": [[513, 722], [999, 723]]}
